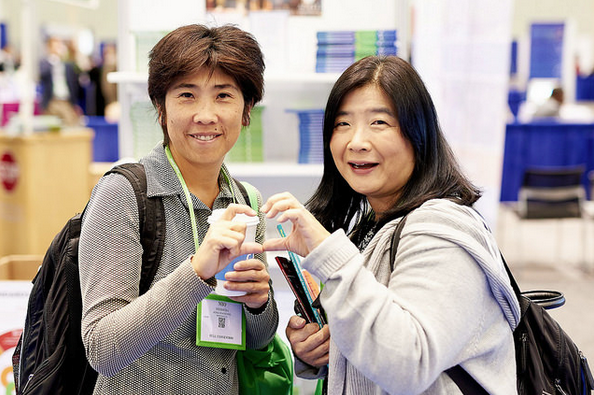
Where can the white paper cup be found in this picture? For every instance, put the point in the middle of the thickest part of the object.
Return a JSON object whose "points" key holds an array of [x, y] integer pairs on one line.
{"points": [[250, 236]]}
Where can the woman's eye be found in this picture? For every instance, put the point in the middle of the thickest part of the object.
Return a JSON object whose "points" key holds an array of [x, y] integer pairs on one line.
{"points": [[223, 95], [379, 122], [339, 124], [186, 95]]}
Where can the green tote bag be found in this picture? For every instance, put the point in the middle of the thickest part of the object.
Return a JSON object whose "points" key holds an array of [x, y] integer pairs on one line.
{"points": [[268, 371]]}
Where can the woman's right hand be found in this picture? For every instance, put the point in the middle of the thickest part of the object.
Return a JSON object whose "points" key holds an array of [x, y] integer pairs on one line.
{"points": [[223, 243], [309, 343], [306, 233]]}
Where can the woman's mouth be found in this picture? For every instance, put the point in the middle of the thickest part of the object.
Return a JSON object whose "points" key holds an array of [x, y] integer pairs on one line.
{"points": [[362, 166], [204, 137]]}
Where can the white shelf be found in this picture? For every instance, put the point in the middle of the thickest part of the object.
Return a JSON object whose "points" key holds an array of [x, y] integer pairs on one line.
{"points": [[241, 170], [300, 78], [127, 76], [275, 169]]}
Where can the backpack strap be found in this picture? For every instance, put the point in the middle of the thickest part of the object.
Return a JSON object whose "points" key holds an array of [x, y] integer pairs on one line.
{"points": [[467, 384], [249, 193], [152, 222], [395, 241]]}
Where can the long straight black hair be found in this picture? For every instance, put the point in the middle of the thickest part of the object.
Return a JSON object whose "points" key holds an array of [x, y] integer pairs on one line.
{"points": [[436, 173]]}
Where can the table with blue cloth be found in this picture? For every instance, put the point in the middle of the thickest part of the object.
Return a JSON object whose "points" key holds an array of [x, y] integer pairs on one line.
{"points": [[546, 143], [105, 141], [584, 87]]}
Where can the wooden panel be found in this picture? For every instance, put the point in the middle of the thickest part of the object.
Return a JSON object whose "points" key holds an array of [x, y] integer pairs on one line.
{"points": [[48, 182]]}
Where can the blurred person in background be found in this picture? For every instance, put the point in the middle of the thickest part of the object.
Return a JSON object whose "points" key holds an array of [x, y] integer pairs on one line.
{"points": [[58, 79]]}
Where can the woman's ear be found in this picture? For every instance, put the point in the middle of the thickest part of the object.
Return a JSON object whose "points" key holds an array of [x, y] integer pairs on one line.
{"points": [[246, 114], [161, 118], [160, 115]]}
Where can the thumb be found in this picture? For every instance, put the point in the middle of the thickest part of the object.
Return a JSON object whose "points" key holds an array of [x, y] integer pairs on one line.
{"points": [[278, 244], [296, 322], [251, 248]]}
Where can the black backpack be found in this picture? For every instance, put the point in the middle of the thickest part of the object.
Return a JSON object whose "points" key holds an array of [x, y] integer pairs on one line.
{"points": [[547, 360], [50, 356]]}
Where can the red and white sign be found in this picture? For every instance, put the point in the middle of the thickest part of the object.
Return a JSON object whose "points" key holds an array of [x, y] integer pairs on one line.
{"points": [[14, 297], [9, 171]]}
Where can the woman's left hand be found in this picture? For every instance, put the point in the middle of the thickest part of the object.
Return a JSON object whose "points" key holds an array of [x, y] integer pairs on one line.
{"points": [[307, 233], [252, 277]]}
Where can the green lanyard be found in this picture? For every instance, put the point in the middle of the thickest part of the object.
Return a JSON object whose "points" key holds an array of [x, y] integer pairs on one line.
{"points": [[187, 193]]}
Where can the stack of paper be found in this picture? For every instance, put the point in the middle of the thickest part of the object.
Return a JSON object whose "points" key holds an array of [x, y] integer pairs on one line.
{"points": [[311, 147], [337, 50], [249, 146]]}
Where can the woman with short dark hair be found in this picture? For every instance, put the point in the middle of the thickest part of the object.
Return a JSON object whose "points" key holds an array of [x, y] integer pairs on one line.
{"points": [[203, 83], [194, 47]]}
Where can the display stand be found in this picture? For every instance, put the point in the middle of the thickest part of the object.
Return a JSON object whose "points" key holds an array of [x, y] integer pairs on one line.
{"points": [[44, 180]]}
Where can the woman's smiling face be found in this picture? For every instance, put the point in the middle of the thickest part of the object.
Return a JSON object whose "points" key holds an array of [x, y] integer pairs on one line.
{"points": [[368, 148], [204, 117]]}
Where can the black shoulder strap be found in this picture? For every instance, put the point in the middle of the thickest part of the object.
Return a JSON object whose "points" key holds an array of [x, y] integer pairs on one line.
{"points": [[396, 241], [467, 384], [152, 222]]}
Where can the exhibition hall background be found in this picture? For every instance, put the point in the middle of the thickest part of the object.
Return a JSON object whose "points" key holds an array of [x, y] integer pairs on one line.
{"points": [[461, 48]]}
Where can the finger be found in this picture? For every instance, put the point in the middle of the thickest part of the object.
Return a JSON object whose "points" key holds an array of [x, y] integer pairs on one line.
{"points": [[253, 301], [319, 335], [248, 275], [321, 361], [303, 334], [294, 214], [227, 234], [282, 207], [281, 203], [250, 248], [230, 244], [256, 293], [313, 349], [227, 228], [278, 244], [274, 199], [249, 287], [250, 264], [325, 332], [244, 274], [316, 348], [234, 209]]}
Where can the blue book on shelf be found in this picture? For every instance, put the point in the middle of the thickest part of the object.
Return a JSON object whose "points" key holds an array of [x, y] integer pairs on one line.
{"points": [[351, 37]]}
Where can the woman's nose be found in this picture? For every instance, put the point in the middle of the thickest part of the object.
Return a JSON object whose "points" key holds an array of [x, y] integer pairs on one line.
{"points": [[204, 112], [359, 141]]}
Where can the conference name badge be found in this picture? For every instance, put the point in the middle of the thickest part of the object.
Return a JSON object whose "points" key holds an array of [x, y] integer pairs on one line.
{"points": [[220, 323]]}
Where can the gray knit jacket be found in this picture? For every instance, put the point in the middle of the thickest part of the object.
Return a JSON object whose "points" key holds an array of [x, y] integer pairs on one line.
{"points": [[447, 302]]}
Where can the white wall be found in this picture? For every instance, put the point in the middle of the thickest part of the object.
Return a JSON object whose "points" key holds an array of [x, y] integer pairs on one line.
{"points": [[101, 20], [289, 46], [294, 37], [451, 80], [462, 50]]}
